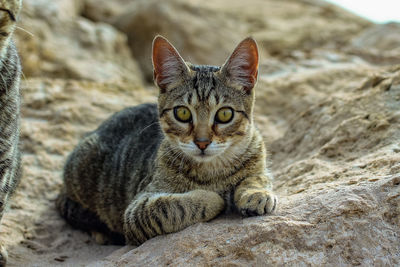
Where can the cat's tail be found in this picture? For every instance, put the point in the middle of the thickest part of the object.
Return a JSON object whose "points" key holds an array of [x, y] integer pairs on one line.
{"points": [[84, 219]]}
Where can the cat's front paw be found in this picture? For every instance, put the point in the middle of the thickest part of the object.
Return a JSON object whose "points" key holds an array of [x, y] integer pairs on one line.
{"points": [[256, 202]]}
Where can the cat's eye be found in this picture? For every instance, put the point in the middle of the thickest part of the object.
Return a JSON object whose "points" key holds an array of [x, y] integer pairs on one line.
{"points": [[9, 13], [182, 114], [224, 115]]}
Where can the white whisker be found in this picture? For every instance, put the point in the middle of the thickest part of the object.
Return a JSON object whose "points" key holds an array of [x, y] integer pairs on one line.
{"points": [[28, 32], [147, 127]]}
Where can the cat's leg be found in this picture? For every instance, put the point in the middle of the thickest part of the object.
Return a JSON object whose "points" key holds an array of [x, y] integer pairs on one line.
{"points": [[3, 256], [3, 251], [3, 201], [9, 107], [156, 214], [253, 196], [9, 176], [84, 219]]}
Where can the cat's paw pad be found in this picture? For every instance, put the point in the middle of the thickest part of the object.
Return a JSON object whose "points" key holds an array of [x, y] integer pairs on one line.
{"points": [[257, 202]]}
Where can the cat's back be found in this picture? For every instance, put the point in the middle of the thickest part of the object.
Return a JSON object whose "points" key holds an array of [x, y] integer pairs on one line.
{"points": [[128, 142], [138, 125], [120, 153]]}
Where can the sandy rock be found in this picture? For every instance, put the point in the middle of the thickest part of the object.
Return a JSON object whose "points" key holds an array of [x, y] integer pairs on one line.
{"points": [[381, 37], [104, 10], [211, 33], [286, 87], [54, 10], [284, 26], [53, 43], [205, 32], [379, 44]]}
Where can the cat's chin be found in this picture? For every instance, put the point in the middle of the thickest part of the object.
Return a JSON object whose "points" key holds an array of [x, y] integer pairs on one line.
{"points": [[202, 158]]}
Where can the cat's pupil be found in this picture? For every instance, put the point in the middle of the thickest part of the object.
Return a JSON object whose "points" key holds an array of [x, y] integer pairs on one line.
{"points": [[224, 115], [182, 114]]}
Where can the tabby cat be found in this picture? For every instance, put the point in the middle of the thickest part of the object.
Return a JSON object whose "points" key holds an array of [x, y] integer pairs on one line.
{"points": [[151, 170], [10, 70]]}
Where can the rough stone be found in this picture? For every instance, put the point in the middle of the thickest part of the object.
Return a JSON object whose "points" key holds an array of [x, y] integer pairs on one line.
{"points": [[379, 44], [206, 31], [104, 10], [54, 41]]}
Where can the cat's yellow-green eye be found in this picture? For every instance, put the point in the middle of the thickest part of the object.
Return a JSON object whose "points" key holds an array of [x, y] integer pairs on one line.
{"points": [[224, 115], [182, 114]]}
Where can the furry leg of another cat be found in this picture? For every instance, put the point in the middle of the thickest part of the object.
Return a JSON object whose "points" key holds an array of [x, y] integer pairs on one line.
{"points": [[3, 256], [156, 214], [253, 196], [3, 251]]}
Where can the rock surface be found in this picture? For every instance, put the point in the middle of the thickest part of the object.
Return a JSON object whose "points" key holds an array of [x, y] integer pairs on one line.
{"points": [[379, 44], [54, 41], [205, 32], [331, 121]]}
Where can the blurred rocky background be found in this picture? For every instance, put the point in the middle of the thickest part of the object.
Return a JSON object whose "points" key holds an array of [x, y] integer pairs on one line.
{"points": [[328, 105]]}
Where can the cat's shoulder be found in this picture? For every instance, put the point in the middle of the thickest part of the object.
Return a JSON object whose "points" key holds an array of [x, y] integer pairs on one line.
{"points": [[132, 116], [130, 121]]}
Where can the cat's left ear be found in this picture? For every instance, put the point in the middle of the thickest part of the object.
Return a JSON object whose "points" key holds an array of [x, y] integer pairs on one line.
{"points": [[169, 67], [241, 68]]}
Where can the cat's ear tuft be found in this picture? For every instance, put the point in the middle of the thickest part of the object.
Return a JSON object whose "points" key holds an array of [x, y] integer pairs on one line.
{"points": [[169, 67], [241, 68]]}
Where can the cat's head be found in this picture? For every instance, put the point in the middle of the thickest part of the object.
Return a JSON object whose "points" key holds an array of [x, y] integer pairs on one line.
{"points": [[206, 111]]}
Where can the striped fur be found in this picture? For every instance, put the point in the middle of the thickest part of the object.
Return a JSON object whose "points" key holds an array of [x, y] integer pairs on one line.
{"points": [[10, 70], [144, 173]]}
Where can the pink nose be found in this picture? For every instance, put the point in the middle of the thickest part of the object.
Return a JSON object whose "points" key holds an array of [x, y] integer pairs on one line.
{"points": [[202, 143]]}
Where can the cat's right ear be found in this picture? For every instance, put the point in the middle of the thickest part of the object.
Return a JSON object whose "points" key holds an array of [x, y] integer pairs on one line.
{"points": [[169, 67], [241, 68]]}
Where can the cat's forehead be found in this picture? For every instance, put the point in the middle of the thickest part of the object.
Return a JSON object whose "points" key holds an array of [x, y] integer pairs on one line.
{"points": [[206, 89], [203, 68], [204, 83], [203, 88]]}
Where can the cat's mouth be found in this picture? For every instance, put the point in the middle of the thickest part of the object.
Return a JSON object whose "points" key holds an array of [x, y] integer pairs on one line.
{"points": [[203, 156]]}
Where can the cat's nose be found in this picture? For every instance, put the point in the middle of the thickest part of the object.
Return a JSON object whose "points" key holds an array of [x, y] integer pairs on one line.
{"points": [[202, 143]]}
